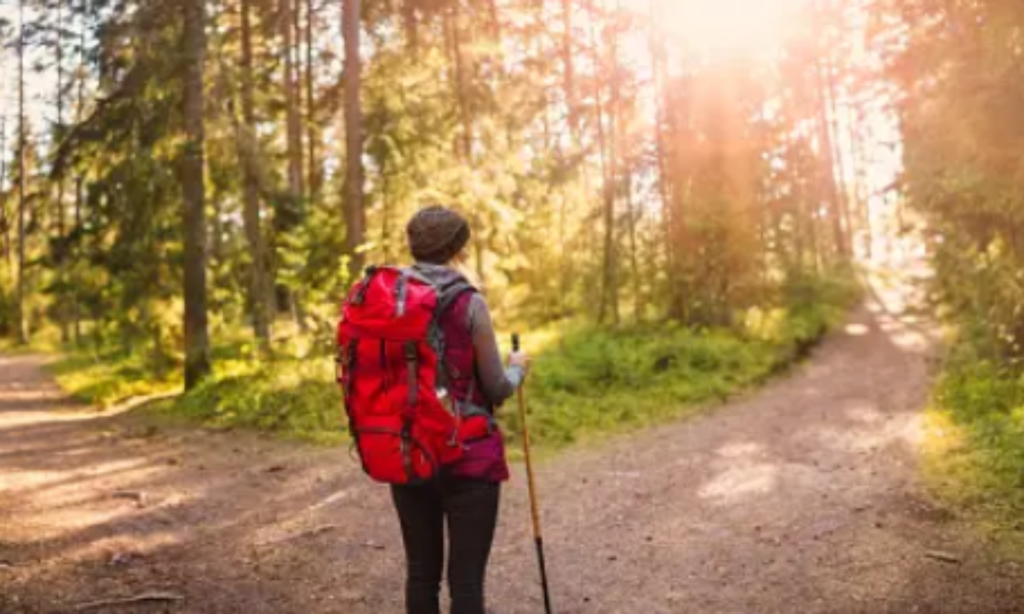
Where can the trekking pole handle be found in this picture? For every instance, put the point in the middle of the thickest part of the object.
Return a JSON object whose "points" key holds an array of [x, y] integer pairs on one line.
{"points": [[515, 342]]}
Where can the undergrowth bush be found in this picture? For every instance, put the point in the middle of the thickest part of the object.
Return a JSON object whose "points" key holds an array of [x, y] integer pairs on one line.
{"points": [[598, 381], [105, 379], [605, 381], [298, 398], [586, 381], [975, 453]]}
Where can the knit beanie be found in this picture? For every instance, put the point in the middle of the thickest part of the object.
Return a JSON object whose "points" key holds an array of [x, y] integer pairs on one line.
{"points": [[437, 234]]}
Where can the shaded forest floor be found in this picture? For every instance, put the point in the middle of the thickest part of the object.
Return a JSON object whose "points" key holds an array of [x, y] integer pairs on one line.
{"points": [[803, 497]]}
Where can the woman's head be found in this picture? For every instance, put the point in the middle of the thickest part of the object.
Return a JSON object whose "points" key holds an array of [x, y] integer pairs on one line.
{"points": [[437, 235]]}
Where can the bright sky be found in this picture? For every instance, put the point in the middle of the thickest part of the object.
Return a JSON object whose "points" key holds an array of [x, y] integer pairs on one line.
{"points": [[718, 27], [39, 87]]}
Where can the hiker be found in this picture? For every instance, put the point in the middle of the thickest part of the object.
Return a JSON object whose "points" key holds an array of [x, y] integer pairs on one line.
{"points": [[468, 491], [422, 377]]}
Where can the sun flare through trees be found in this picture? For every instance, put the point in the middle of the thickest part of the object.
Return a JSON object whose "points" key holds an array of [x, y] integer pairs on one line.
{"points": [[622, 161]]}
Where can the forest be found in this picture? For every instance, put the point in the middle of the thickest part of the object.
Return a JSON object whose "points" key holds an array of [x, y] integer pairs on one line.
{"points": [[661, 198]]}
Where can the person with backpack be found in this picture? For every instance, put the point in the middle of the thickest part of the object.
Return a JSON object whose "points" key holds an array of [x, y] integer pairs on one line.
{"points": [[423, 376]]}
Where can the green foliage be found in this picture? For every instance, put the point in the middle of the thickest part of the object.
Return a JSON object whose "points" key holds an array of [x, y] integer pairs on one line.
{"points": [[288, 396], [963, 151], [294, 398], [597, 381], [45, 341], [109, 378], [586, 383], [964, 156], [608, 173], [8, 304], [814, 304], [600, 381], [975, 455]]}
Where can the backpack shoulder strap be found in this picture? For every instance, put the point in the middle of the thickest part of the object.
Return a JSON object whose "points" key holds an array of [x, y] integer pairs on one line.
{"points": [[448, 295], [358, 297]]}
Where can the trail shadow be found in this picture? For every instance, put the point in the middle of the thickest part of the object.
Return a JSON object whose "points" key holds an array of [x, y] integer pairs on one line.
{"points": [[213, 510]]}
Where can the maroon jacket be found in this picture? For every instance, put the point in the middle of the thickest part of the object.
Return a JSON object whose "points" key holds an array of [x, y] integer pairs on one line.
{"points": [[476, 377]]}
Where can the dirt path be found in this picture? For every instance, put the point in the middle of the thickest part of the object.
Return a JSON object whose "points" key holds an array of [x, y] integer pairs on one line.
{"points": [[802, 498]]}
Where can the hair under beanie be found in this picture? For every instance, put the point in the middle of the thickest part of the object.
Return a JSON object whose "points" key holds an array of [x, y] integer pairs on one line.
{"points": [[437, 234]]}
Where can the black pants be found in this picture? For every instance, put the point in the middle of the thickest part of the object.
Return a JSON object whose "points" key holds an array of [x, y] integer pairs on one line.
{"points": [[471, 509]]}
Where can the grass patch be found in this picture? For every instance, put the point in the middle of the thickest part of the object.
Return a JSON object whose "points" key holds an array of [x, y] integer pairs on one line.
{"points": [[106, 379], [595, 382], [291, 397], [974, 452], [45, 341], [295, 398], [586, 382]]}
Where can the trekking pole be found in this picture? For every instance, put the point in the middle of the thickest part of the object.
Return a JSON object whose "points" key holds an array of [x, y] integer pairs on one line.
{"points": [[538, 536]]}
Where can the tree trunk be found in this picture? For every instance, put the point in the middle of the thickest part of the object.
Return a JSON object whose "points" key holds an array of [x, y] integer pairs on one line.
{"points": [[288, 215], [23, 330], [411, 26], [385, 214], [569, 71], [494, 13], [260, 287], [638, 303], [355, 214], [313, 168], [76, 310], [463, 77], [812, 227], [838, 155], [218, 192], [61, 259], [799, 231], [855, 126], [669, 236], [461, 88], [5, 224], [609, 304], [289, 11], [830, 188], [197, 342]]}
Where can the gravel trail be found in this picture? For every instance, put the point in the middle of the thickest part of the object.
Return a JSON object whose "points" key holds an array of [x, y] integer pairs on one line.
{"points": [[801, 497]]}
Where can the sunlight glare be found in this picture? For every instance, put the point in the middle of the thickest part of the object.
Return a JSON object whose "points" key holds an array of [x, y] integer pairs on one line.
{"points": [[753, 28]]}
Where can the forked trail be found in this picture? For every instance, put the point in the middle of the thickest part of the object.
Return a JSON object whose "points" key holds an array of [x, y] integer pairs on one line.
{"points": [[803, 497]]}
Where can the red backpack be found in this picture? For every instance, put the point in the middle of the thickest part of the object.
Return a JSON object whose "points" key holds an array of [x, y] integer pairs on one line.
{"points": [[392, 372]]}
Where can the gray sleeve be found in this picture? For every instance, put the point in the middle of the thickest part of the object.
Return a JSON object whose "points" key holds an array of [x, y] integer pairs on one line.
{"points": [[498, 383]]}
